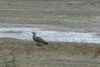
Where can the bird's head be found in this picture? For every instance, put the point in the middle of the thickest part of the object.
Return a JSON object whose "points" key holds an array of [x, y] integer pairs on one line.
{"points": [[34, 34]]}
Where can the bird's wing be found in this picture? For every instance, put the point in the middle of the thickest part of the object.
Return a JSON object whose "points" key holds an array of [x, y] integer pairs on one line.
{"points": [[39, 39]]}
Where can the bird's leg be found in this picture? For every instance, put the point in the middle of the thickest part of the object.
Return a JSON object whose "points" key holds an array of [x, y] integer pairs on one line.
{"points": [[38, 44]]}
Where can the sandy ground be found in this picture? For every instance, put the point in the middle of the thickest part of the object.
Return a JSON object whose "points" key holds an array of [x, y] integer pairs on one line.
{"points": [[65, 16]]}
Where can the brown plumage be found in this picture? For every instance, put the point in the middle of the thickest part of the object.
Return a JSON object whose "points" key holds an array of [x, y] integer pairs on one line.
{"points": [[38, 40]]}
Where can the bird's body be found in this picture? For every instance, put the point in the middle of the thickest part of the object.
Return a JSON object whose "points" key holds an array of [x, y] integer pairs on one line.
{"points": [[38, 39]]}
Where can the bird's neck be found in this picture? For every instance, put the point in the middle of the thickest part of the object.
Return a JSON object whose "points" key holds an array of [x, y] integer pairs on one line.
{"points": [[34, 36]]}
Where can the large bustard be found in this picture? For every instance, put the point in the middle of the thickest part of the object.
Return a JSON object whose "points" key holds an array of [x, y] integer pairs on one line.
{"points": [[38, 40]]}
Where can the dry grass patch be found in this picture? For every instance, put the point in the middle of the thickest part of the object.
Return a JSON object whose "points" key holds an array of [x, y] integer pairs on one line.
{"points": [[59, 48], [23, 53]]}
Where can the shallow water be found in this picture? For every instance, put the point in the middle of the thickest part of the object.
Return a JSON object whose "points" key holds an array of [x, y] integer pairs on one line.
{"points": [[49, 35]]}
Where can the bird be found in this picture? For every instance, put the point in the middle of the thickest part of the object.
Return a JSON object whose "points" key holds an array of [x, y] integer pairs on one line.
{"points": [[38, 40]]}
